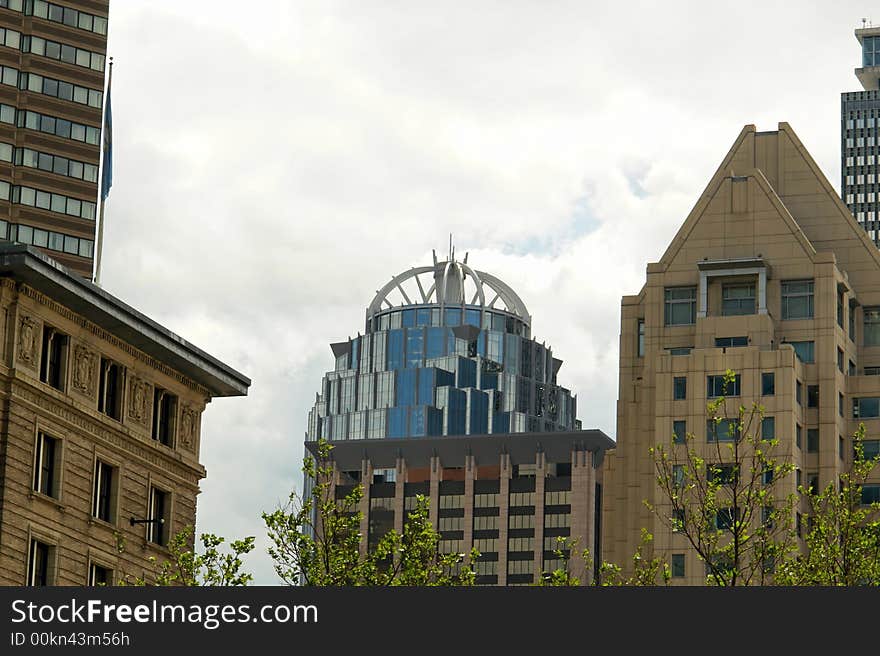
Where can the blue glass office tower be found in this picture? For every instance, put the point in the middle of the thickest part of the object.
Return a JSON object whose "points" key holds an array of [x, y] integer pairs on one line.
{"points": [[446, 350]]}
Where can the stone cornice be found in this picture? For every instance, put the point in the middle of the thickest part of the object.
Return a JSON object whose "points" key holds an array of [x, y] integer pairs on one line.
{"points": [[99, 332]]}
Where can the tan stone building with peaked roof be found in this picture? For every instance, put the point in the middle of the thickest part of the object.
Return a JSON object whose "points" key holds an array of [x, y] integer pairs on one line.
{"points": [[100, 428], [770, 276]]}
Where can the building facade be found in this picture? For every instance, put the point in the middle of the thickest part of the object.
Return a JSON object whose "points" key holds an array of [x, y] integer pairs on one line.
{"points": [[769, 276], [859, 130], [52, 63], [447, 394], [101, 428]]}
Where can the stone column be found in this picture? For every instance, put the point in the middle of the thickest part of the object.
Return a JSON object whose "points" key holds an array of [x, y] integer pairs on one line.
{"points": [[703, 295], [434, 494], [470, 473], [366, 480], [540, 480], [582, 513], [399, 505], [503, 519], [762, 291]]}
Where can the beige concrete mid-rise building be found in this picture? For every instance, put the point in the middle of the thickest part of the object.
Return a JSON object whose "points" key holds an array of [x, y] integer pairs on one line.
{"points": [[100, 428], [769, 276]]}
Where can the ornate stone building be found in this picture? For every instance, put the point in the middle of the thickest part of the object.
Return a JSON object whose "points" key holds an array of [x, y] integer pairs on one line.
{"points": [[100, 418]]}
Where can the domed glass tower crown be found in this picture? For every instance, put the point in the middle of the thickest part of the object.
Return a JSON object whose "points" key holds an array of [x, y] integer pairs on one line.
{"points": [[447, 350]]}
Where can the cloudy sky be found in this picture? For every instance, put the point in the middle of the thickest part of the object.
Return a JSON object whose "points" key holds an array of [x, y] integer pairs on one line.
{"points": [[275, 164]]}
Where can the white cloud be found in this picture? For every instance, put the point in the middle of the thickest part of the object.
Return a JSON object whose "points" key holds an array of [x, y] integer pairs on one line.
{"points": [[274, 167]]}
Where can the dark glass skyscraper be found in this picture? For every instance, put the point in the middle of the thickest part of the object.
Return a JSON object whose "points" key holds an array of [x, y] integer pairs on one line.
{"points": [[859, 123], [447, 350]]}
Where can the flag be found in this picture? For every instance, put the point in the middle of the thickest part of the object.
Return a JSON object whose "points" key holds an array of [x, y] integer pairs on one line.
{"points": [[107, 152]]}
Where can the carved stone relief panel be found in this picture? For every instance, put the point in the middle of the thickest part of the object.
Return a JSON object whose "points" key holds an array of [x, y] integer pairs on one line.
{"points": [[28, 340], [139, 400], [189, 429], [85, 367]]}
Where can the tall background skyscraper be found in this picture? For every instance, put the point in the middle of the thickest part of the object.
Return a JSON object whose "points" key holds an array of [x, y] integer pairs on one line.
{"points": [[859, 122], [52, 62]]}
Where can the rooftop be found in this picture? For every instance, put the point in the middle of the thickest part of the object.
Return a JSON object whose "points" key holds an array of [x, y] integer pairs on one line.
{"points": [[30, 266]]}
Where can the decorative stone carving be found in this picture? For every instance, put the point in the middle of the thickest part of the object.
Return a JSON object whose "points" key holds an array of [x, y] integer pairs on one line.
{"points": [[84, 364], [188, 428], [27, 341], [138, 400]]}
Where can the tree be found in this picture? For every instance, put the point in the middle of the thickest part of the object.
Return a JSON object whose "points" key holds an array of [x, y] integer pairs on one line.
{"points": [[188, 568], [316, 540], [646, 567], [727, 499], [843, 533]]}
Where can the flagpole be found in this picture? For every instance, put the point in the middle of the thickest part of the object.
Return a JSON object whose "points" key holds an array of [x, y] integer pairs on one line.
{"points": [[100, 240]]}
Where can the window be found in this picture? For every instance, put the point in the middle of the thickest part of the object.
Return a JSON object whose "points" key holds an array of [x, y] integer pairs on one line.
{"points": [[812, 440], [840, 360], [768, 428], [681, 306], [677, 520], [872, 371], [679, 387], [164, 414], [110, 388], [870, 494], [678, 476], [812, 396], [724, 430], [805, 351], [870, 449], [840, 309], [737, 299], [679, 431], [716, 386], [63, 52], [840, 404], [798, 392], [798, 440], [798, 525], [871, 326], [722, 474], [852, 368], [641, 344], [852, 319], [47, 466], [840, 446], [722, 342], [813, 483], [159, 515], [768, 384], [53, 361], [38, 564], [724, 519], [56, 164], [797, 299], [678, 565], [680, 350], [104, 493], [65, 129], [99, 575], [67, 15]]}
